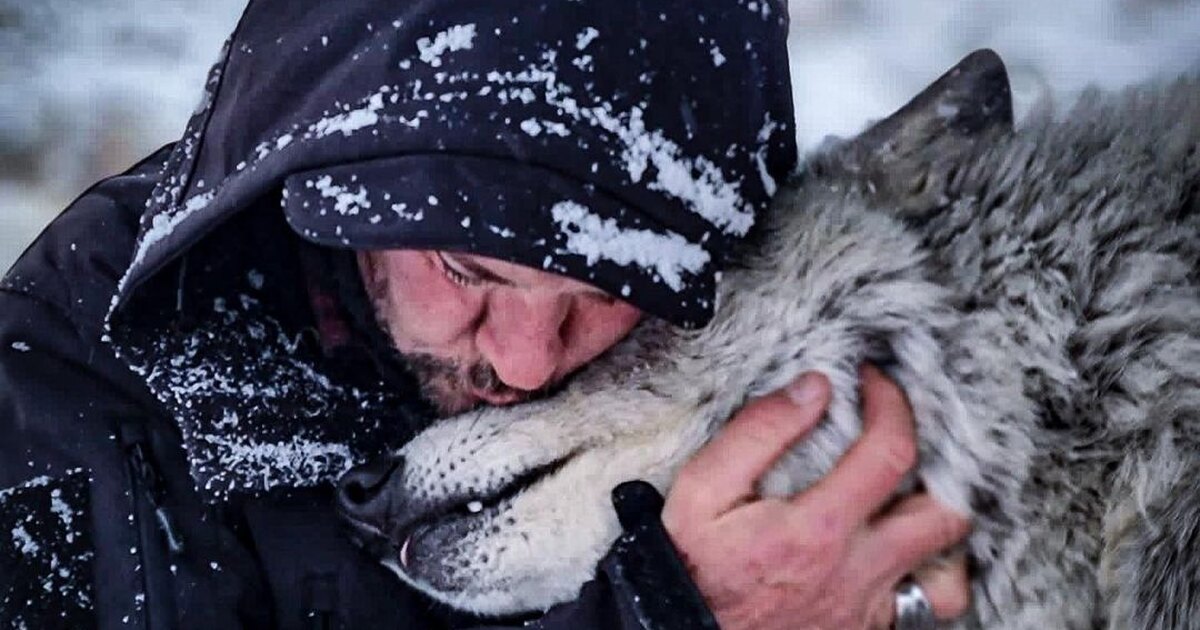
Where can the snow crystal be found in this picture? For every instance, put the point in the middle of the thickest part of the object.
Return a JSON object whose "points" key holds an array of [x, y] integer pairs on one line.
{"points": [[459, 37], [584, 63], [717, 57], [696, 181], [668, 255], [256, 279], [501, 232], [24, 542], [400, 209], [283, 141], [265, 464], [531, 127], [555, 128], [346, 203], [350, 121], [20, 346], [947, 110], [163, 225], [760, 156], [475, 507], [586, 37], [60, 508]]}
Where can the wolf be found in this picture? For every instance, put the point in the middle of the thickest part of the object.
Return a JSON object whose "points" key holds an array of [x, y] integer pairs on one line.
{"points": [[1034, 292]]}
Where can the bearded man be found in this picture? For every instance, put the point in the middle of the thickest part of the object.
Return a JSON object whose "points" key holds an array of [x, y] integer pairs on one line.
{"points": [[383, 213]]}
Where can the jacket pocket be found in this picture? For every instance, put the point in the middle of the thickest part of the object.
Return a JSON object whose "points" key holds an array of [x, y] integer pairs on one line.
{"points": [[46, 553]]}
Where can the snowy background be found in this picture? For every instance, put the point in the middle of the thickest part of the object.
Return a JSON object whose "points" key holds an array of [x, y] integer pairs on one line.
{"points": [[87, 87]]}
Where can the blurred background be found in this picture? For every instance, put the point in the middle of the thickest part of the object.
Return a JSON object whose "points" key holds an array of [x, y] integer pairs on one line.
{"points": [[87, 87]]}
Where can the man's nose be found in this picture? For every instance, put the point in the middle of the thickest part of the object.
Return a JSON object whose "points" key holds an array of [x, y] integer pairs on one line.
{"points": [[363, 495], [524, 339]]}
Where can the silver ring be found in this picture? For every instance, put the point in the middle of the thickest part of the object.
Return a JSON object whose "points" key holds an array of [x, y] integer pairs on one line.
{"points": [[913, 610]]}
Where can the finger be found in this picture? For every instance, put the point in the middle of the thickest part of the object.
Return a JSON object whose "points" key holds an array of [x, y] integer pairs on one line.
{"points": [[871, 470], [947, 585], [723, 474], [944, 583], [909, 536]]}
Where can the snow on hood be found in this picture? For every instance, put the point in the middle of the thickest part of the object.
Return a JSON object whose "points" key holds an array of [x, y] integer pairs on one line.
{"points": [[305, 85]]}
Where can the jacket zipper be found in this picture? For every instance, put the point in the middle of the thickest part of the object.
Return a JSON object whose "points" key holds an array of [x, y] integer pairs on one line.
{"points": [[145, 470]]}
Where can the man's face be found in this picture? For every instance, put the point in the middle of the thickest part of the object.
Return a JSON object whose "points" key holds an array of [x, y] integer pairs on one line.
{"points": [[480, 330]]}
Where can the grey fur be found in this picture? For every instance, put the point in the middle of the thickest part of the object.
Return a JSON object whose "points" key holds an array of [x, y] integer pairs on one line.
{"points": [[1034, 292]]}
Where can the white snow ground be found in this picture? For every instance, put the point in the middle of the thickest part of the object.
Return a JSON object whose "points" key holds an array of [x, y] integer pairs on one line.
{"points": [[89, 86]]}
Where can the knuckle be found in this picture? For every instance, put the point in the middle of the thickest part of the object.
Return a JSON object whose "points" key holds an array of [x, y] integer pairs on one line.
{"points": [[765, 413], [950, 528], [683, 480], [780, 544], [762, 436], [783, 550], [673, 521], [826, 531], [898, 457], [680, 505]]}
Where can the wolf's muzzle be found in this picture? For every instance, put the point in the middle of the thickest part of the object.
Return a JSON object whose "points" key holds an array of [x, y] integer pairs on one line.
{"points": [[363, 499]]}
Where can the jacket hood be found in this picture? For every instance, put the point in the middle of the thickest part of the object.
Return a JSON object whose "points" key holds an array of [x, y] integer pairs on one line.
{"points": [[629, 146]]}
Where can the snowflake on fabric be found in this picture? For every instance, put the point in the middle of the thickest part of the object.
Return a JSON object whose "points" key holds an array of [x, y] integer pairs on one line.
{"points": [[46, 554]]}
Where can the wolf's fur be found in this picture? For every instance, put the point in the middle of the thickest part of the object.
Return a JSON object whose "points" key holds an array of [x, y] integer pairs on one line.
{"points": [[1035, 294]]}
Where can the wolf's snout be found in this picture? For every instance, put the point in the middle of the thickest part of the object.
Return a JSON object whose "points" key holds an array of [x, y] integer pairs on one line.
{"points": [[362, 492]]}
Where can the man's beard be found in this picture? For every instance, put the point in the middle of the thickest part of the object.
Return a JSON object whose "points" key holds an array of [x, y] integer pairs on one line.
{"points": [[452, 389], [448, 386]]}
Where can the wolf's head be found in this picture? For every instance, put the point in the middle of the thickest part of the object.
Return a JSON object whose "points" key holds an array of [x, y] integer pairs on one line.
{"points": [[506, 510]]}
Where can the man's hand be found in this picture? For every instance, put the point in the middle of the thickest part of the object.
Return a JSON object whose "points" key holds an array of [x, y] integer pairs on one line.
{"points": [[827, 557]]}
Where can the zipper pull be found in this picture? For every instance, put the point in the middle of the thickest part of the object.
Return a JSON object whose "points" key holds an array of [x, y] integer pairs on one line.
{"points": [[141, 461]]}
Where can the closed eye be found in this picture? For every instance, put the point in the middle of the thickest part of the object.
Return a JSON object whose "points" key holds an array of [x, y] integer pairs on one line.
{"points": [[466, 272], [457, 273]]}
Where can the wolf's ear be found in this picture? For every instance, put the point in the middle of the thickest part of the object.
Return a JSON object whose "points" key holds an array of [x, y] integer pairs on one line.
{"points": [[908, 157]]}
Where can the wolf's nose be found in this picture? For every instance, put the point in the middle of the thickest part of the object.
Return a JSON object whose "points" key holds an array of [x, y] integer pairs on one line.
{"points": [[363, 494]]}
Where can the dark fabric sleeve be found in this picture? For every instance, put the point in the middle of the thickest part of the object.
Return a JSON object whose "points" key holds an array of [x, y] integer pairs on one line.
{"points": [[61, 398], [66, 411], [85, 450]]}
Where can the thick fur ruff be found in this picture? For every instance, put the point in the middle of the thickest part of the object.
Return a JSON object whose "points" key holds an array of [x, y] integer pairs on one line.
{"points": [[1035, 294]]}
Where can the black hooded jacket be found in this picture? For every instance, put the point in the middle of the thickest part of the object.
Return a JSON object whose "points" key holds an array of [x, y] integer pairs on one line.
{"points": [[103, 526], [185, 369]]}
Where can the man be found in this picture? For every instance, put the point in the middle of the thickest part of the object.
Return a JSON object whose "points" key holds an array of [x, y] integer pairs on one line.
{"points": [[181, 376]]}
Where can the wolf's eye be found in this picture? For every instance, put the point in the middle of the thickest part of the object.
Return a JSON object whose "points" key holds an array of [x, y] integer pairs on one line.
{"points": [[457, 273]]}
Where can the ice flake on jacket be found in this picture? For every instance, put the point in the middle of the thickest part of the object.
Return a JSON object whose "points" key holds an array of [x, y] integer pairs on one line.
{"points": [[455, 38], [255, 411], [43, 533], [350, 121], [703, 186], [345, 201]]}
